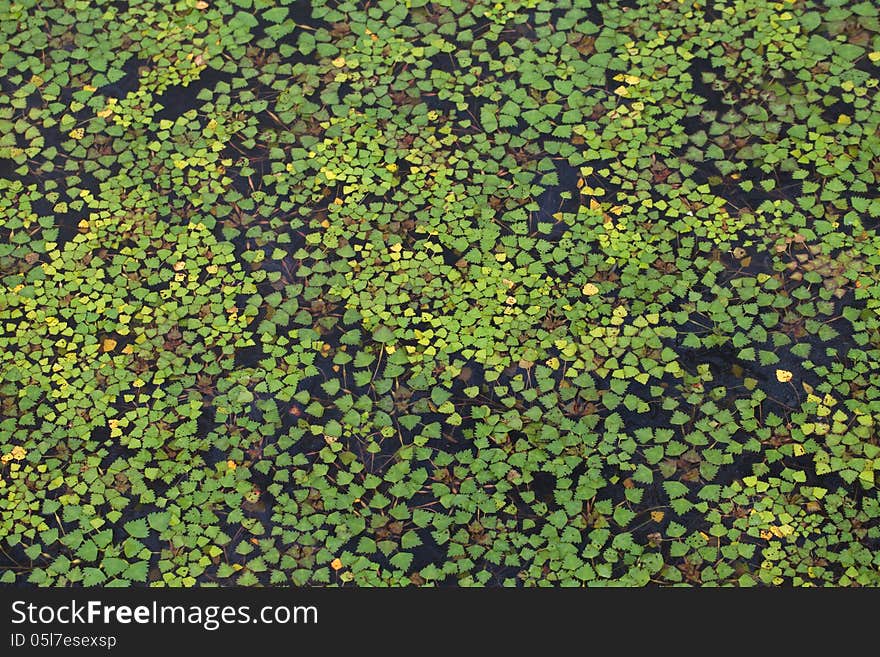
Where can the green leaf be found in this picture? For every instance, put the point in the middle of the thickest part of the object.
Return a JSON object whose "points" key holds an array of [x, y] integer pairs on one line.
{"points": [[383, 334], [623, 516], [675, 489], [137, 528]]}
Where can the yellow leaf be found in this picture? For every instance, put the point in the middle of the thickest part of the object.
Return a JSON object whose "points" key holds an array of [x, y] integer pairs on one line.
{"points": [[77, 133], [798, 449], [874, 56], [109, 344], [18, 453], [336, 564], [657, 516], [339, 62], [590, 289], [201, 4], [230, 465], [783, 376], [843, 119]]}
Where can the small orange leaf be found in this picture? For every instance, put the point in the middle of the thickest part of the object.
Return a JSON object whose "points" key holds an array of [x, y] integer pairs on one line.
{"points": [[336, 564], [657, 516], [109, 344]]}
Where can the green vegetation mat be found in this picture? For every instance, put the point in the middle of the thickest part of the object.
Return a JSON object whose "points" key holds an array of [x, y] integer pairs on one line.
{"points": [[439, 293]]}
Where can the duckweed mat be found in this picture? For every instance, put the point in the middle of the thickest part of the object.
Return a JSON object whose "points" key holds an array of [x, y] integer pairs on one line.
{"points": [[471, 293]]}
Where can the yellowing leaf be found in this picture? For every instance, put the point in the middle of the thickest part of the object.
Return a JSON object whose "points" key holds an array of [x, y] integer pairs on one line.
{"points": [[798, 449], [18, 452], [657, 516], [109, 344], [201, 4], [230, 465], [874, 56], [339, 62], [783, 376], [590, 289], [77, 133], [336, 564], [843, 119]]}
